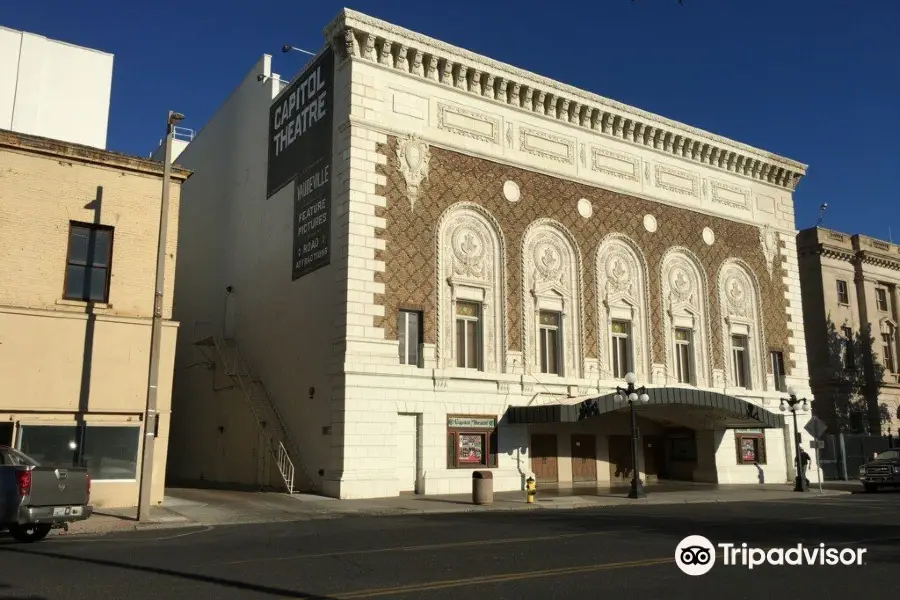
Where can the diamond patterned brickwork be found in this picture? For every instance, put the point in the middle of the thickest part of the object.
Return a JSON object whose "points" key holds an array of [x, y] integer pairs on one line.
{"points": [[410, 245]]}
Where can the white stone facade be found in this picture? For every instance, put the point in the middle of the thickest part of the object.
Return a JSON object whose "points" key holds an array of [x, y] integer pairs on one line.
{"points": [[422, 96], [436, 95]]}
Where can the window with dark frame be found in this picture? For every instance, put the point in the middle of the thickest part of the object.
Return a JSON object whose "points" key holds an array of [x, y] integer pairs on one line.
{"points": [[621, 348], [88, 262], [778, 372], [409, 336], [751, 446], [881, 299], [683, 359], [740, 362], [472, 442], [843, 296], [110, 452], [468, 335], [550, 342]]}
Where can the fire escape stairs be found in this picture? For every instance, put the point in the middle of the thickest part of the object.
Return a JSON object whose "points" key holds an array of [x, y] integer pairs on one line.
{"points": [[279, 442]]}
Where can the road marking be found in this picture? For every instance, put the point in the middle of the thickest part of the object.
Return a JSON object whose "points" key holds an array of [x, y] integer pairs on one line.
{"points": [[509, 577], [542, 538], [866, 503], [468, 581]]}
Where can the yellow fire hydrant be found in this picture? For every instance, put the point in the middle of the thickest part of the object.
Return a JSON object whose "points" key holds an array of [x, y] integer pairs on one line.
{"points": [[530, 490]]}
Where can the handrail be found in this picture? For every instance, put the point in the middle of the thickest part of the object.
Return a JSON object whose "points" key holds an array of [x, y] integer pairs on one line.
{"points": [[237, 368]]}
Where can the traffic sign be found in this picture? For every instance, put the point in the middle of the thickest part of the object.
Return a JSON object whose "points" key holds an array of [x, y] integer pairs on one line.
{"points": [[816, 444], [816, 427]]}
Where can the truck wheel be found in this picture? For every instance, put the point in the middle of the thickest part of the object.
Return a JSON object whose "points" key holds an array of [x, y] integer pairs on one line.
{"points": [[29, 533], [870, 487]]}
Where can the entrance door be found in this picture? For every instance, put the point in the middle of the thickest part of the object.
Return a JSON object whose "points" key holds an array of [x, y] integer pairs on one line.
{"points": [[407, 451], [619, 459], [6, 434], [654, 457], [543, 458], [584, 458]]}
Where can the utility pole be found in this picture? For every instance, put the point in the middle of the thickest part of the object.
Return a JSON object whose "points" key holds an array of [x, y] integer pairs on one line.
{"points": [[150, 415]]}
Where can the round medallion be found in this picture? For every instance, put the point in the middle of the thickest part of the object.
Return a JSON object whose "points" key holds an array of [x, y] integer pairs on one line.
{"points": [[708, 236], [467, 244], [650, 223], [680, 281], [618, 269], [511, 191], [584, 208], [735, 289], [547, 259]]}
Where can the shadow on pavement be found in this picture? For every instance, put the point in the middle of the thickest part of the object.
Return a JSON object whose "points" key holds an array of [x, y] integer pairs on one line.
{"points": [[4, 596], [251, 587], [660, 527], [756, 524]]}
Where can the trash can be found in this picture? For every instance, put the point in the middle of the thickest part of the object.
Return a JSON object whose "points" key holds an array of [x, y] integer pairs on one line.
{"points": [[482, 487]]}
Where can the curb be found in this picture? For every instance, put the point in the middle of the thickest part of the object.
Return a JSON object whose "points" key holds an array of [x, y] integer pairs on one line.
{"points": [[127, 525]]}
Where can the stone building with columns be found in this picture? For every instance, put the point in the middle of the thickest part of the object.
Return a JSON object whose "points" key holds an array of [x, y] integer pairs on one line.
{"points": [[503, 249], [851, 298]]}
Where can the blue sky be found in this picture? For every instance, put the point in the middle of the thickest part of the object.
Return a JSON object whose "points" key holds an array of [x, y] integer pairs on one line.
{"points": [[814, 80]]}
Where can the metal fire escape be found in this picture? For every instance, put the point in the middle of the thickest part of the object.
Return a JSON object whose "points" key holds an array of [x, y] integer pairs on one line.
{"points": [[278, 440]]}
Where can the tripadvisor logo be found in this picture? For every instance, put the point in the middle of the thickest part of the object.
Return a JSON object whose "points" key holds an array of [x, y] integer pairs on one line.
{"points": [[696, 555]]}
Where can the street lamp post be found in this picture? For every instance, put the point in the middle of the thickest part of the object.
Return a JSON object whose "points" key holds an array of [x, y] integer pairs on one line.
{"points": [[796, 405], [150, 415], [633, 395]]}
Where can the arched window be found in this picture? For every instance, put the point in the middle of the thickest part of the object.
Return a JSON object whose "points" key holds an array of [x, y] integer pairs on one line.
{"points": [[686, 325], [742, 334], [623, 334], [551, 278], [471, 327]]}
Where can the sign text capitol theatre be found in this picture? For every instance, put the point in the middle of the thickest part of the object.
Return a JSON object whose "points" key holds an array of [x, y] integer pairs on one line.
{"points": [[300, 145]]}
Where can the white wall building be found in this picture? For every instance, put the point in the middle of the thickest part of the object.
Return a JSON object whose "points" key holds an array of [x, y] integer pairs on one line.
{"points": [[494, 252], [54, 89]]}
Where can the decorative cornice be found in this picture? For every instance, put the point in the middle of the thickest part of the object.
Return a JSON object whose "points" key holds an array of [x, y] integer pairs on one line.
{"points": [[878, 260], [359, 36], [835, 253]]}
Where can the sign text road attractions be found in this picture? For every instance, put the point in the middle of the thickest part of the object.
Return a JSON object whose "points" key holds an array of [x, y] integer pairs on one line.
{"points": [[312, 222], [300, 145]]}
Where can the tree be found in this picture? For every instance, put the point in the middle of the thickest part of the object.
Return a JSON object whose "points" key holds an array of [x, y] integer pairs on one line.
{"points": [[857, 378]]}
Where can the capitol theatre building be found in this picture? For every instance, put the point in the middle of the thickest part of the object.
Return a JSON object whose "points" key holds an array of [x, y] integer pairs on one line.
{"points": [[412, 262]]}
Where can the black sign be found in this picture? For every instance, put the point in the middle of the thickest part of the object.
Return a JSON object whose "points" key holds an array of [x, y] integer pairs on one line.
{"points": [[300, 124], [312, 221], [300, 145]]}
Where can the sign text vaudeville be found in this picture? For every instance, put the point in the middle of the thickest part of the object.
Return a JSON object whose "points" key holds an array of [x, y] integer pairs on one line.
{"points": [[300, 146]]}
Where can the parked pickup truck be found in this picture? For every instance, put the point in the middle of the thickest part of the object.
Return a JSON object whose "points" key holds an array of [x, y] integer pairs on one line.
{"points": [[35, 499], [883, 470]]}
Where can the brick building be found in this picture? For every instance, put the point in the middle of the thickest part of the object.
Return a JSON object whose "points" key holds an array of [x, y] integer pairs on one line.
{"points": [[78, 228], [500, 250]]}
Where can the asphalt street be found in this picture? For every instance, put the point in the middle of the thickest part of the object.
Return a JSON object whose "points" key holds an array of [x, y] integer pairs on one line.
{"points": [[624, 550]]}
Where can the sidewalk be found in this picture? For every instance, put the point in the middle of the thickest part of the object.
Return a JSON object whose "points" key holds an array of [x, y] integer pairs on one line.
{"points": [[209, 507]]}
